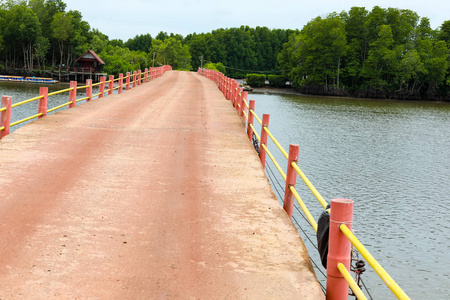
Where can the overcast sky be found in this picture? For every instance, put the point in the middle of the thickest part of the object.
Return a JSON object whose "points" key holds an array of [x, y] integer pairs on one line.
{"points": [[124, 19]]}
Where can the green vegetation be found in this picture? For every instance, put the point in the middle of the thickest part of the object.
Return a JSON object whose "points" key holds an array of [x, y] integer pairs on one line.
{"points": [[216, 67], [242, 50], [379, 53], [382, 53], [278, 81], [255, 80]]}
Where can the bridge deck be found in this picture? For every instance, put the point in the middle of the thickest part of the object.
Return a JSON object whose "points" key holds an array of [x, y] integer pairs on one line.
{"points": [[155, 193]]}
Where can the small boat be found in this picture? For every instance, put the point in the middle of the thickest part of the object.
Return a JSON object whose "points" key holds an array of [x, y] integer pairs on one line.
{"points": [[11, 78], [40, 80], [27, 79]]}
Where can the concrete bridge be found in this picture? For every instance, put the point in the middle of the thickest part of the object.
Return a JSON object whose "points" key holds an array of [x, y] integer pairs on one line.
{"points": [[156, 193]]}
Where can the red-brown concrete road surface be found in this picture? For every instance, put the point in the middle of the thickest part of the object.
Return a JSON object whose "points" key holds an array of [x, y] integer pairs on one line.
{"points": [[152, 194]]}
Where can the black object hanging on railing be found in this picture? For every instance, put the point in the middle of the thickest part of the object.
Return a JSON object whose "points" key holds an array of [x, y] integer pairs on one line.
{"points": [[323, 230]]}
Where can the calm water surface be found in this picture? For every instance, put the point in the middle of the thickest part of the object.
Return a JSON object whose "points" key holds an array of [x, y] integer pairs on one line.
{"points": [[393, 159], [22, 91]]}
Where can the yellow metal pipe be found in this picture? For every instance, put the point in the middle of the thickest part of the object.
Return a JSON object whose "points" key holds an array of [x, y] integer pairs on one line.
{"points": [[351, 282], [58, 107], [276, 142], [95, 95], [304, 208], [392, 285], [26, 101], [256, 116], [309, 185], [2, 128], [256, 134], [246, 103], [24, 120], [2, 109], [274, 162], [82, 99], [82, 87], [245, 114], [98, 83], [60, 92]]}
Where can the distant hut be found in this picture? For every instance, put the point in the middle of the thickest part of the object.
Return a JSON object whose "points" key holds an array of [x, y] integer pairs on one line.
{"points": [[90, 62]]}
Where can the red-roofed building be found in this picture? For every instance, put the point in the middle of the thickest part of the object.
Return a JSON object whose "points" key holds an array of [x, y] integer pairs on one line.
{"points": [[90, 61]]}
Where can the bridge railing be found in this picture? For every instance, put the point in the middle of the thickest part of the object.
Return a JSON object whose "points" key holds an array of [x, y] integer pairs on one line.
{"points": [[341, 212], [104, 86]]}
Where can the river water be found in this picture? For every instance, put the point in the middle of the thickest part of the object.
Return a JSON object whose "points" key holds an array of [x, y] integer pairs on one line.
{"points": [[22, 91], [391, 157]]}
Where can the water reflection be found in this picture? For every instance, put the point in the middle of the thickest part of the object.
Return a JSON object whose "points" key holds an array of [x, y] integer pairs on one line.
{"points": [[392, 158]]}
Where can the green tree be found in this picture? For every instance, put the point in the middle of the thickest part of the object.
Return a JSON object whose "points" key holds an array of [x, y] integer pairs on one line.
{"points": [[42, 47], [141, 42], [63, 28], [172, 52]]}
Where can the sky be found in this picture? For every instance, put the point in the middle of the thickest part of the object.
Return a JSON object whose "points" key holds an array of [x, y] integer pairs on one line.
{"points": [[124, 19]]}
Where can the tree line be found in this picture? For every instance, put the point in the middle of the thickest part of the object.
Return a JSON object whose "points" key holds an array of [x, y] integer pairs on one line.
{"points": [[38, 33], [379, 53]]}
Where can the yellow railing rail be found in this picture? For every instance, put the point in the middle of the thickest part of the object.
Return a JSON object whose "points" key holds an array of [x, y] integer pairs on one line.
{"points": [[60, 92], [224, 85], [26, 101], [59, 106], [309, 185], [351, 282], [82, 99], [256, 116], [274, 162], [24, 120], [285, 154], [391, 284], [149, 74], [255, 133], [310, 218]]}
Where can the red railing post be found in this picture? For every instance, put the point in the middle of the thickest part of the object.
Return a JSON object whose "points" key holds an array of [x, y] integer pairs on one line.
{"points": [[339, 248], [134, 79], [239, 101], [291, 179], [120, 83], [5, 117], [262, 152], [73, 94], [251, 118], [111, 85], [89, 89], [43, 91], [233, 94], [146, 75], [127, 87], [139, 75], [102, 87]]}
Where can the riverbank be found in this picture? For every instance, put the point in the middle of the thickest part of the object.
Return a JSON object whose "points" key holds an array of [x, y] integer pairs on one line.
{"points": [[268, 90]]}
